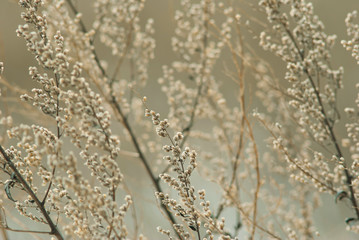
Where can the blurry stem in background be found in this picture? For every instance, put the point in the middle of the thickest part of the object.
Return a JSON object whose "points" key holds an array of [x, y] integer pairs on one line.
{"points": [[186, 130], [83, 29], [3, 228], [246, 216], [305, 172], [244, 121]]}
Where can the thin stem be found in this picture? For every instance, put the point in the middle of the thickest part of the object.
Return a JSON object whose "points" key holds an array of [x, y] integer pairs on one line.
{"points": [[53, 227], [83, 29], [58, 137], [143, 159], [187, 183], [246, 216], [23, 231], [244, 121], [3, 229], [286, 153]]}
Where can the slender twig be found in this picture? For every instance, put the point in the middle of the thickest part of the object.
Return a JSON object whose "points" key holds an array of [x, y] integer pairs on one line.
{"points": [[112, 189], [83, 29], [124, 53], [286, 153], [23, 231], [58, 136], [258, 181], [246, 216], [3, 229], [53, 227], [186, 182], [244, 121], [143, 159]]}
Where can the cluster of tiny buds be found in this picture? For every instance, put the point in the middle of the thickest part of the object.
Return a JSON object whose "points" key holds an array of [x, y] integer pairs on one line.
{"points": [[162, 126], [178, 137], [165, 232], [352, 31], [155, 116]]}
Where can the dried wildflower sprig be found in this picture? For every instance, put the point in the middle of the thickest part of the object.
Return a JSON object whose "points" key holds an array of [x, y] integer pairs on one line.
{"points": [[188, 212], [114, 100], [142, 157], [310, 162], [197, 55], [24, 183], [182, 184], [296, 164], [305, 49], [213, 226], [92, 132], [118, 25], [352, 31], [353, 125]]}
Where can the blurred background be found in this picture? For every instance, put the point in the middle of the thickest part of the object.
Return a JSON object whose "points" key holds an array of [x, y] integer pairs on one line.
{"points": [[329, 218]]}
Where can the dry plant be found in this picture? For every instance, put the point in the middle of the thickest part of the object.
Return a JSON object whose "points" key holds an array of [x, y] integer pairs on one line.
{"points": [[211, 173]]}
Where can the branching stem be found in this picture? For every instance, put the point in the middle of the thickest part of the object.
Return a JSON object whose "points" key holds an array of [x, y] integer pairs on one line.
{"points": [[53, 227]]}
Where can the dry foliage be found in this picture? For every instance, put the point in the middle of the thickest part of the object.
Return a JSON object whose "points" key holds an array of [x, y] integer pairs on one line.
{"points": [[211, 174]]}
